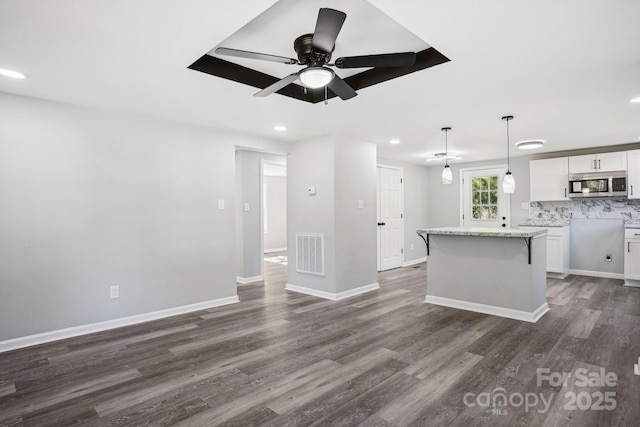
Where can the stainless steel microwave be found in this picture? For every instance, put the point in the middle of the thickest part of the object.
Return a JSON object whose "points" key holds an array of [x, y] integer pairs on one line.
{"points": [[599, 184]]}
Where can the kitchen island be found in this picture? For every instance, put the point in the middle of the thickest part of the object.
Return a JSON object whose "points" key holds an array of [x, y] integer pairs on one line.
{"points": [[494, 271]]}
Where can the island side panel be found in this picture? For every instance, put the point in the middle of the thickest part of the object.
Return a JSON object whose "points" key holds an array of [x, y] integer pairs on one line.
{"points": [[488, 270]]}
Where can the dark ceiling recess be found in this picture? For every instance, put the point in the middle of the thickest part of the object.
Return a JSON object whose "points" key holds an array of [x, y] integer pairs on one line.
{"points": [[231, 71]]}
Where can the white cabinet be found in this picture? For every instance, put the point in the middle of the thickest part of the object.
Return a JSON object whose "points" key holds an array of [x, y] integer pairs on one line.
{"points": [[632, 256], [633, 174], [548, 179], [601, 162], [558, 246]]}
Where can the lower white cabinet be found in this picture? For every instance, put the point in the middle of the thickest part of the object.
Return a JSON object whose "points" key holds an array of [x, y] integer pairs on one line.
{"points": [[558, 246], [632, 256]]}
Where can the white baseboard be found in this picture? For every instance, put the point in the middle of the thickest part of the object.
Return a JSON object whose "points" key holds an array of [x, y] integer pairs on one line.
{"points": [[414, 262], [602, 274], [268, 251], [245, 280], [561, 276], [490, 309], [632, 283], [45, 337], [332, 296]]}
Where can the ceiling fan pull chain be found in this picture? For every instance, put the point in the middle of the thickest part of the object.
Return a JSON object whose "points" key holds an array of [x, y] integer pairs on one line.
{"points": [[326, 101]]}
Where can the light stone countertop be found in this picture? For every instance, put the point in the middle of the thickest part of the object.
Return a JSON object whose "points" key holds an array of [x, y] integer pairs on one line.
{"points": [[544, 224], [483, 232]]}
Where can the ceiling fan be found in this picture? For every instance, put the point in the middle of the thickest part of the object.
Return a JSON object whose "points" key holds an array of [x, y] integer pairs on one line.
{"points": [[314, 52]]}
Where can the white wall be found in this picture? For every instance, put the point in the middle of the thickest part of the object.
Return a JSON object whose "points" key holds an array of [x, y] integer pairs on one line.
{"points": [[444, 211], [343, 171], [356, 229], [90, 199], [310, 164], [276, 235]]}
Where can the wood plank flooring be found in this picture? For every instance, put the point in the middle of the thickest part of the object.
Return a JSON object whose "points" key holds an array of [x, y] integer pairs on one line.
{"points": [[384, 358]]}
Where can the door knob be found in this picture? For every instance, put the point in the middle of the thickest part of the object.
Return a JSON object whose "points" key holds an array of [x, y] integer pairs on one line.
{"points": [[504, 225], [504, 218]]}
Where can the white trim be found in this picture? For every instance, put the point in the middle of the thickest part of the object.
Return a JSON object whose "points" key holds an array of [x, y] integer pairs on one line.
{"points": [[329, 295], [553, 275], [60, 334], [268, 251], [414, 262], [602, 274], [490, 309], [632, 283], [245, 280]]}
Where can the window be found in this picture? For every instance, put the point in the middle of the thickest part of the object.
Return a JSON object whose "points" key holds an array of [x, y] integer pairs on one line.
{"points": [[484, 197]]}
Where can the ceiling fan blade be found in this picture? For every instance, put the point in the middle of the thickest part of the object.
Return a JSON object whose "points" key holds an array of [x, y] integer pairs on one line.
{"points": [[404, 59], [328, 27], [278, 85], [255, 55], [341, 88]]}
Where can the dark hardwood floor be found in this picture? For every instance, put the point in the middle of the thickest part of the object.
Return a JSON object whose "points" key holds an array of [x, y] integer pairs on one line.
{"points": [[384, 358]]}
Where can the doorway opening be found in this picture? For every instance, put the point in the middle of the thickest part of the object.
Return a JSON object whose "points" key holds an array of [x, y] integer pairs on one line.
{"points": [[260, 211], [274, 213]]}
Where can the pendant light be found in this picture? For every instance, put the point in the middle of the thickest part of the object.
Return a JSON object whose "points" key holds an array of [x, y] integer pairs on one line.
{"points": [[447, 175], [508, 183]]}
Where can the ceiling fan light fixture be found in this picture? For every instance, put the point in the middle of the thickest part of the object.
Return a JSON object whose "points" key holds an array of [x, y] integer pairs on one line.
{"points": [[316, 77], [530, 144]]}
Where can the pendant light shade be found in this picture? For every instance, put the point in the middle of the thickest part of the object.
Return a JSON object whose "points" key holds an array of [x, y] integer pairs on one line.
{"points": [[508, 182], [447, 175]]}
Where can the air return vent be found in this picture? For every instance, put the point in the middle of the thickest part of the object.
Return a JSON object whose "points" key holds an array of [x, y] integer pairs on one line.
{"points": [[310, 253]]}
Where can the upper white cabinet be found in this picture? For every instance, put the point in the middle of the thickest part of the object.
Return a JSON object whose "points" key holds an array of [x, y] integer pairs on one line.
{"points": [[601, 162], [633, 174], [548, 179]]}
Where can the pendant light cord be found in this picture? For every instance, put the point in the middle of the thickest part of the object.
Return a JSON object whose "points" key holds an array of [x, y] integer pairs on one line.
{"points": [[446, 147], [508, 157], [507, 118]]}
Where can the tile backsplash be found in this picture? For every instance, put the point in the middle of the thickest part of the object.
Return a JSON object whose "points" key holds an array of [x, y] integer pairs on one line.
{"points": [[558, 213]]}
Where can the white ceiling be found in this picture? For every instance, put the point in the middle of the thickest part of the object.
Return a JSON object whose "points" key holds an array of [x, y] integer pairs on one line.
{"points": [[566, 69]]}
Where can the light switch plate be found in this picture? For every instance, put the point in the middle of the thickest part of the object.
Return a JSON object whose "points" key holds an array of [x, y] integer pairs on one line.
{"points": [[524, 205], [360, 204], [221, 204], [246, 207]]}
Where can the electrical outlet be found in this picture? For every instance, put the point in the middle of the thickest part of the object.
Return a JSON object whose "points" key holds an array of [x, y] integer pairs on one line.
{"points": [[524, 206], [608, 258], [114, 292], [221, 204]]}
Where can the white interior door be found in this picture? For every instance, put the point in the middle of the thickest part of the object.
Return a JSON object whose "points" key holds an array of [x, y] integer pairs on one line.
{"points": [[483, 202], [389, 218]]}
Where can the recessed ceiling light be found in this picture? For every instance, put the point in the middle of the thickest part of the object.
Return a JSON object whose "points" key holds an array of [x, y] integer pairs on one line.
{"points": [[13, 74], [530, 144], [394, 141], [636, 99], [280, 128]]}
